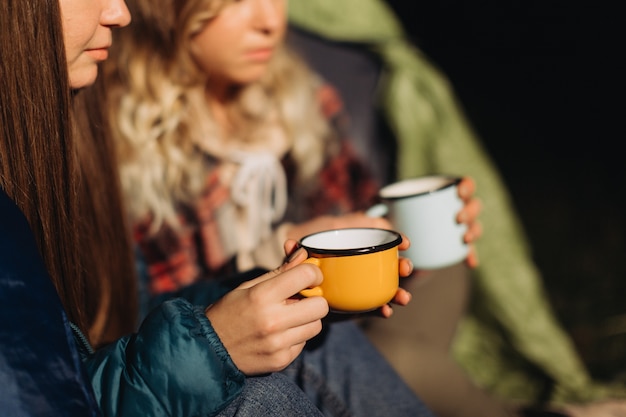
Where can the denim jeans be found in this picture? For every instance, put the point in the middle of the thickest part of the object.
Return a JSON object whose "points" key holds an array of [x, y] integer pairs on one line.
{"points": [[273, 395], [339, 374]]}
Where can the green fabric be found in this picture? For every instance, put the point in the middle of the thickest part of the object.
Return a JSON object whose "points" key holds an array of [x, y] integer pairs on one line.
{"points": [[510, 342]]}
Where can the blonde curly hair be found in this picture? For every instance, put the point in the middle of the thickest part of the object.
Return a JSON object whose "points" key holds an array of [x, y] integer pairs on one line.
{"points": [[158, 114]]}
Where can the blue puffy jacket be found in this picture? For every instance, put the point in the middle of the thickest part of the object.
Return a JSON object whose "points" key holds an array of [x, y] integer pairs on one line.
{"points": [[174, 365], [40, 370]]}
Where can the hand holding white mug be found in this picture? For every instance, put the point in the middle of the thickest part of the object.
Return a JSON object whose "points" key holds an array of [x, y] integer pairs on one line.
{"points": [[469, 216], [438, 213]]}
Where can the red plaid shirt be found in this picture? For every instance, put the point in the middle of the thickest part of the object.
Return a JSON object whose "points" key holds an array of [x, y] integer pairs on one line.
{"points": [[177, 258]]}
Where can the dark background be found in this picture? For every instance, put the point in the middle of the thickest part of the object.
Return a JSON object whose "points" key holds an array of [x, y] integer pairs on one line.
{"points": [[541, 85]]}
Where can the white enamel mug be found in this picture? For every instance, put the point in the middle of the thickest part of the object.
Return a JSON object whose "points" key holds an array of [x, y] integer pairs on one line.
{"points": [[425, 210]]}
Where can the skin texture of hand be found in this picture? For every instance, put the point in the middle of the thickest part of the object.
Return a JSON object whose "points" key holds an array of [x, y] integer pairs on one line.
{"points": [[405, 268], [262, 326], [469, 215]]}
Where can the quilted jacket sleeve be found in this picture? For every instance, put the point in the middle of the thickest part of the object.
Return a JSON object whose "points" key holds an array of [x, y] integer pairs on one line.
{"points": [[175, 365]]}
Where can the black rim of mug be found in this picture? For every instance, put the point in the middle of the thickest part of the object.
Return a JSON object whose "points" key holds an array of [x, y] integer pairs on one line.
{"points": [[352, 251], [454, 182]]}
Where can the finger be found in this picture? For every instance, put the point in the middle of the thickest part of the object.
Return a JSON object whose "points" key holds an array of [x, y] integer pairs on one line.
{"points": [[466, 188], [295, 351], [402, 297], [294, 259], [472, 258], [473, 233], [283, 285], [385, 311], [405, 267], [306, 310], [298, 256], [290, 246], [304, 318], [405, 244], [254, 282], [276, 361], [470, 211]]}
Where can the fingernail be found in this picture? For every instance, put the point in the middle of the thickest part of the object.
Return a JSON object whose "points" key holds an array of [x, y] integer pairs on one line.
{"points": [[294, 255]]}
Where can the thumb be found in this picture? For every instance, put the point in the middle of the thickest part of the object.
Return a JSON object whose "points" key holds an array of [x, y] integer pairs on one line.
{"points": [[293, 260]]}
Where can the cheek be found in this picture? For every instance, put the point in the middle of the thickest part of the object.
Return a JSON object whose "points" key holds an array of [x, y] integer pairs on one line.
{"points": [[77, 36], [72, 50], [82, 68], [199, 56], [79, 27], [207, 54]]}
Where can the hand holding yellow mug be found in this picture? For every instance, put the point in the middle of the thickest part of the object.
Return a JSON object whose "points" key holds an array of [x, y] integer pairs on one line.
{"points": [[360, 267]]}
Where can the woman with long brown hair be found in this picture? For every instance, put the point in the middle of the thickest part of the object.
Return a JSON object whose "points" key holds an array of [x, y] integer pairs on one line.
{"points": [[40, 176], [61, 228]]}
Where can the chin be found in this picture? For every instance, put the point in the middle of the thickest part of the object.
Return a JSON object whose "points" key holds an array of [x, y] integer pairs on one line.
{"points": [[249, 75], [84, 78], [249, 79]]}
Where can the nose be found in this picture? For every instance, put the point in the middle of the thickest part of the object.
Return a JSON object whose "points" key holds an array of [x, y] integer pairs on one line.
{"points": [[270, 15], [115, 14]]}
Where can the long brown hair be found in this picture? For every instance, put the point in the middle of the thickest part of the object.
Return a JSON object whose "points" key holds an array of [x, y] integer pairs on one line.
{"points": [[40, 171], [112, 288]]}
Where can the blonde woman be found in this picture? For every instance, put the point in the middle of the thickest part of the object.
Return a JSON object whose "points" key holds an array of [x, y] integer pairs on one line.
{"points": [[228, 143]]}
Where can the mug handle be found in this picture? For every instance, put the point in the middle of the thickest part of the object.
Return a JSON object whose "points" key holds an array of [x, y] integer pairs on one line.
{"points": [[377, 210], [315, 291]]}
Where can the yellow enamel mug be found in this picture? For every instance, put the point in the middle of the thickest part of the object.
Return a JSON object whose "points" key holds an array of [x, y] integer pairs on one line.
{"points": [[360, 267]]}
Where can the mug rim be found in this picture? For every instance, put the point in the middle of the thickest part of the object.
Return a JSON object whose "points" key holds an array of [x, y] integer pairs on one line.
{"points": [[454, 182], [352, 251]]}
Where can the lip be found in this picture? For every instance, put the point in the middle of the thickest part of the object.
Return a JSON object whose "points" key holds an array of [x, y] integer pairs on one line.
{"points": [[260, 54], [99, 54]]}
